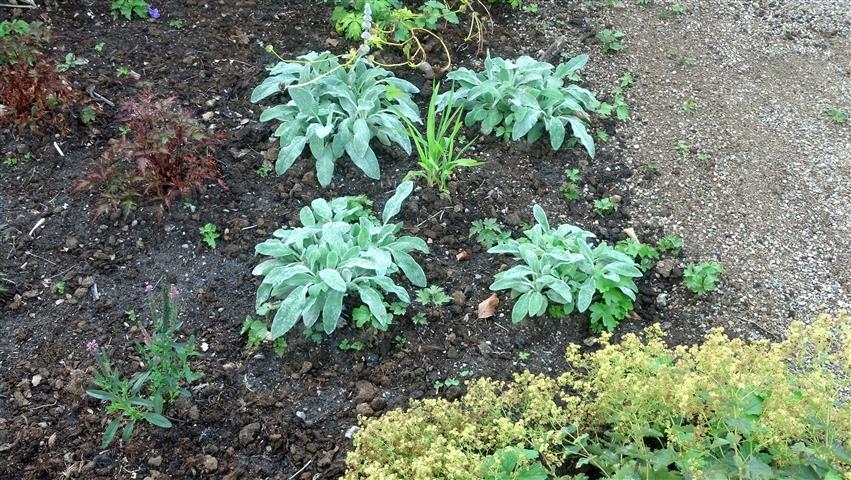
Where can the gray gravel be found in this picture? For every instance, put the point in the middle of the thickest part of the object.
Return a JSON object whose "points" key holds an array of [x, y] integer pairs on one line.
{"points": [[773, 202]]}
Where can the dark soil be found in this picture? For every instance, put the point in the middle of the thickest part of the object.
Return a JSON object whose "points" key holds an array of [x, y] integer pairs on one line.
{"points": [[253, 416]]}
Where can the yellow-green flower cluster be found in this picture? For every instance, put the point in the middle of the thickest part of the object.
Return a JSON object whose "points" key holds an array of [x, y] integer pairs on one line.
{"points": [[781, 399]]}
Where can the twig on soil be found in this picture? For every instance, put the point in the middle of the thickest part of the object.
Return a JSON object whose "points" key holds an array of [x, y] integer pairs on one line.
{"points": [[40, 222], [38, 256], [56, 146], [300, 470], [27, 5], [92, 93], [439, 212], [44, 406], [248, 228]]}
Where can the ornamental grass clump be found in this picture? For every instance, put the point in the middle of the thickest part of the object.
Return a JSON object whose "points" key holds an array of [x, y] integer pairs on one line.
{"points": [[339, 252], [722, 409]]}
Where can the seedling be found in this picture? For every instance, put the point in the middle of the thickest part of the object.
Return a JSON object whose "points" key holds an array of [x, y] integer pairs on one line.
{"points": [[626, 80], [400, 341], [264, 170], [449, 382], [70, 62], [602, 136], [570, 188], [644, 255], [611, 40], [604, 206], [689, 106], [680, 59], [433, 295], [671, 244], [209, 234], [531, 8], [420, 319], [702, 278], [258, 332], [523, 355], [99, 47], [176, 24], [651, 168], [703, 157], [488, 232], [837, 115], [682, 147], [122, 72], [60, 288], [10, 162], [345, 345], [88, 115]]}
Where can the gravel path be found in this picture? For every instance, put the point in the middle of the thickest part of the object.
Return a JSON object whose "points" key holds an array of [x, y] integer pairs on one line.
{"points": [[773, 201]]}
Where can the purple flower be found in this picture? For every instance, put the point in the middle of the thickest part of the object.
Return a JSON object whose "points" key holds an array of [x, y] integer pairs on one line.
{"points": [[153, 12], [92, 346], [149, 288], [173, 292]]}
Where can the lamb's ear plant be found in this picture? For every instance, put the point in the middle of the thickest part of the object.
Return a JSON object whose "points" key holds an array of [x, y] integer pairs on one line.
{"points": [[560, 267], [438, 151], [525, 98], [336, 109], [338, 252]]}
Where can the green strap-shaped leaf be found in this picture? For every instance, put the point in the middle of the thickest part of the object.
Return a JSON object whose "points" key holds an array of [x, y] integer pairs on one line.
{"points": [[331, 310], [541, 217], [555, 128], [375, 302], [109, 433], [333, 279], [410, 268], [394, 205], [288, 312], [521, 308], [586, 294], [289, 154], [156, 419], [581, 132], [522, 127]]}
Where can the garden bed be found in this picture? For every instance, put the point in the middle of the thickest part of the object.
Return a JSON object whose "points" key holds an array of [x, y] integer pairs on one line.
{"points": [[254, 415]]}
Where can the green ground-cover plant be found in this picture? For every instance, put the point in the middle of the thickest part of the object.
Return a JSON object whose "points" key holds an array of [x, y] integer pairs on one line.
{"points": [[702, 278], [20, 41], [671, 244], [645, 255], [166, 376], [560, 267], [339, 251], [604, 206], [837, 115], [336, 109], [433, 295], [257, 333], [612, 40], [488, 232], [639, 409], [70, 62], [129, 8], [570, 187], [525, 98], [439, 149]]}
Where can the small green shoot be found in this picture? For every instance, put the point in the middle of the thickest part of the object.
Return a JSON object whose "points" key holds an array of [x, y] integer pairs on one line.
{"points": [[837, 115], [433, 295], [209, 234], [604, 206], [702, 278], [611, 40], [670, 244], [570, 188]]}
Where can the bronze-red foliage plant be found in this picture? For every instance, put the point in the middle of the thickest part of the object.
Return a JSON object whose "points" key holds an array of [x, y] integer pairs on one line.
{"points": [[32, 93], [164, 154]]}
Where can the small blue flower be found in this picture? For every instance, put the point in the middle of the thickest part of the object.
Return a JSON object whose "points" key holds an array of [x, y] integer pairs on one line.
{"points": [[153, 13]]}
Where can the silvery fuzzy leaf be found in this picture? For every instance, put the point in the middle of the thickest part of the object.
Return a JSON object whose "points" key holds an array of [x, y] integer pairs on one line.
{"points": [[408, 243], [394, 204], [586, 294], [555, 128], [273, 248], [521, 308], [526, 118], [289, 312], [372, 299], [288, 154], [333, 279], [387, 284], [410, 268], [267, 88], [331, 310]]}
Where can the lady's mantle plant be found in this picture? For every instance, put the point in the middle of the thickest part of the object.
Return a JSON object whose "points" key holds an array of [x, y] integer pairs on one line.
{"points": [[336, 109], [521, 98], [560, 267], [165, 378], [340, 250]]}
